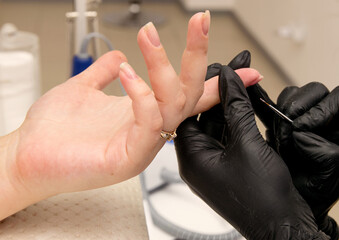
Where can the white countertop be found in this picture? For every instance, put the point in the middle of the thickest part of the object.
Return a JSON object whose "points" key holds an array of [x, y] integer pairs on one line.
{"points": [[114, 212]]}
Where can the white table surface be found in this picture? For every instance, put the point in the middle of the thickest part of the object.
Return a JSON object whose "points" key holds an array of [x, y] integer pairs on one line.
{"points": [[114, 212]]}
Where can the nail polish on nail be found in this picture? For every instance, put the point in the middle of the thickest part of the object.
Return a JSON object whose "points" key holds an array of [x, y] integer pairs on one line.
{"points": [[205, 22], [152, 34], [128, 70]]}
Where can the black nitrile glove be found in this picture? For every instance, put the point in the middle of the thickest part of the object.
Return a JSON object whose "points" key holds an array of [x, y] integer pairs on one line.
{"points": [[321, 177], [215, 128], [242, 179], [312, 158]]}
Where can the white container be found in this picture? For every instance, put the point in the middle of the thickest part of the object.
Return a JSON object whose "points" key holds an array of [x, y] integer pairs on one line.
{"points": [[19, 76]]}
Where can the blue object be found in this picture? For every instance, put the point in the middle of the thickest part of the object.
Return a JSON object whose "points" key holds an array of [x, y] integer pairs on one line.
{"points": [[83, 60], [80, 63]]}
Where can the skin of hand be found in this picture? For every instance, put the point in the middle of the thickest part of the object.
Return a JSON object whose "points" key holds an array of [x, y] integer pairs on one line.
{"points": [[75, 137], [239, 175], [309, 145]]}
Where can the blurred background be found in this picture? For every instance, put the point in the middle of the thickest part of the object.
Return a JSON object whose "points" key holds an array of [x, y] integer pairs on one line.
{"points": [[291, 42]]}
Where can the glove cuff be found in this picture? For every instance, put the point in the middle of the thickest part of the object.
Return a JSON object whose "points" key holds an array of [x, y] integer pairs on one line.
{"points": [[330, 227]]}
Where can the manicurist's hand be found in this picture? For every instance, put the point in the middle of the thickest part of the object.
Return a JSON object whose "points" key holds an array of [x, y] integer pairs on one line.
{"points": [[75, 137], [226, 162], [309, 145]]}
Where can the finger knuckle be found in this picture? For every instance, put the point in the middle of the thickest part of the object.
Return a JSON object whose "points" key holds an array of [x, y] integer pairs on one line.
{"points": [[180, 102]]}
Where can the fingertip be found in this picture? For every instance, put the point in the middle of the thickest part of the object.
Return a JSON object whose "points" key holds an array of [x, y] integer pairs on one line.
{"points": [[198, 28], [127, 72], [213, 70], [149, 36], [133, 83], [112, 58], [103, 71], [141, 35], [127, 75], [142, 39], [242, 60], [206, 22], [195, 18], [249, 76], [195, 26], [119, 55], [151, 48], [201, 16], [136, 88], [232, 91]]}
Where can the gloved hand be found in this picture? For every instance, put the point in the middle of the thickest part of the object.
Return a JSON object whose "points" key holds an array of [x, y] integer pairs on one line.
{"points": [[312, 158], [238, 174], [215, 128]]}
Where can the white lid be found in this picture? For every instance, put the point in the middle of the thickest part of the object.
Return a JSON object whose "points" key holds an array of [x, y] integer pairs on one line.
{"points": [[8, 29], [13, 39]]}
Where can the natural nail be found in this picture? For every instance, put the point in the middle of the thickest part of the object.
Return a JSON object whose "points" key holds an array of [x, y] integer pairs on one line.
{"points": [[258, 79], [261, 77], [205, 22], [128, 70], [152, 34]]}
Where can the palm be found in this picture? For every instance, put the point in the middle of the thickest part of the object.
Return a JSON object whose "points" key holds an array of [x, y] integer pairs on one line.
{"points": [[76, 134]]}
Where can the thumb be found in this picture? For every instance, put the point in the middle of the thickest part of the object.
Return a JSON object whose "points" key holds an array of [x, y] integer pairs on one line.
{"points": [[265, 114], [213, 70], [194, 148], [242, 60], [234, 99], [190, 132]]}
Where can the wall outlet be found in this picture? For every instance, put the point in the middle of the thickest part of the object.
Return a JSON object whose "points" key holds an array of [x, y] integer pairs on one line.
{"points": [[213, 5]]}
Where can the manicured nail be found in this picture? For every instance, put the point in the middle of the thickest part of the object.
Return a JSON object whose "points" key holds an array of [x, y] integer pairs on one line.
{"points": [[258, 79], [205, 22], [128, 70], [261, 77], [152, 34]]}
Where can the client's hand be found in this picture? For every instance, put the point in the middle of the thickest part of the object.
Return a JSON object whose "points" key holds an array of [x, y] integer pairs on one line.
{"points": [[76, 138], [309, 146], [237, 174]]}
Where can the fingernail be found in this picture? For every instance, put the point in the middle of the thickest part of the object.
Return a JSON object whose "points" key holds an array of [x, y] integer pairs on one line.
{"points": [[152, 34], [128, 70], [258, 79], [205, 22]]}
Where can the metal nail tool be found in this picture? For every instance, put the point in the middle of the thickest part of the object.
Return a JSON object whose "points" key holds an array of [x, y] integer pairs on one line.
{"points": [[280, 114]]}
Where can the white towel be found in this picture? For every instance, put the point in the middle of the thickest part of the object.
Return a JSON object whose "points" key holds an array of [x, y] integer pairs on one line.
{"points": [[18, 88]]}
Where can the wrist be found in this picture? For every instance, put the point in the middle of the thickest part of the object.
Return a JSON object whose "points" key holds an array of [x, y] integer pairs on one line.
{"points": [[14, 196]]}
